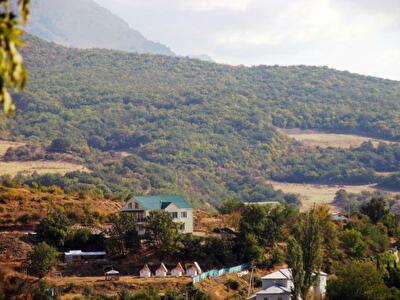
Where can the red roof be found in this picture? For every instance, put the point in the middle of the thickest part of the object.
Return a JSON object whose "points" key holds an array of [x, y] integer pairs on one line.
{"points": [[179, 267]]}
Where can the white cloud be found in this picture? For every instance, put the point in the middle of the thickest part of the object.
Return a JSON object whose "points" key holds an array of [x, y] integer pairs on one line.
{"points": [[357, 35], [208, 5]]}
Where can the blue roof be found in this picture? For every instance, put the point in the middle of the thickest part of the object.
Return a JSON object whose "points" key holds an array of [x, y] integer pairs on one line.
{"points": [[161, 201]]}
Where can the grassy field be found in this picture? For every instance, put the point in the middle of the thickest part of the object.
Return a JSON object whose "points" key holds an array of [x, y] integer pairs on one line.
{"points": [[40, 166], [314, 138], [316, 193], [28, 167], [4, 145]]}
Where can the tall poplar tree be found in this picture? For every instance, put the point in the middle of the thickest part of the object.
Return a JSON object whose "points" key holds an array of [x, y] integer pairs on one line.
{"points": [[311, 246], [295, 262], [304, 255]]}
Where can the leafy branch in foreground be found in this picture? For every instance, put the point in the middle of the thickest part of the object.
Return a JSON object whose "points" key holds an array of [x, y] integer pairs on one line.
{"points": [[12, 70]]}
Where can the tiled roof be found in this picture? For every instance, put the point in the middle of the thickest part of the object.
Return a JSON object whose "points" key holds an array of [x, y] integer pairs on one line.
{"points": [[161, 201]]}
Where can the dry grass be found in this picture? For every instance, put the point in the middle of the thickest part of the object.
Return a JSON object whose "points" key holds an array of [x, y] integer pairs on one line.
{"points": [[28, 167], [40, 166], [17, 202], [314, 138], [133, 284], [5, 145], [316, 193]]}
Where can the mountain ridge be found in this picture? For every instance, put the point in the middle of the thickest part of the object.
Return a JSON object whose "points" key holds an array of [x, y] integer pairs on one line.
{"points": [[86, 24]]}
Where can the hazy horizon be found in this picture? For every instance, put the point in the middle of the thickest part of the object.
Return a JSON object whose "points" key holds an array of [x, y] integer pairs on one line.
{"points": [[357, 36]]}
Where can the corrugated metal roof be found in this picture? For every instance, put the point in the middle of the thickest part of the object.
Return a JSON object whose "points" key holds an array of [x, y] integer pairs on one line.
{"points": [[280, 274], [274, 290], [80, 253], [161, 201]]}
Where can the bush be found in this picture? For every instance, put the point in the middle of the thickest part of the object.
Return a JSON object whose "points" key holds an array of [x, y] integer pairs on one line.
{"points": [[60, 145], [232, 284]]}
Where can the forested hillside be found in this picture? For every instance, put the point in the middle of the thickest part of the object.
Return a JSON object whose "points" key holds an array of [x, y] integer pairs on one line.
{"points": [[85, 24], [200, 128]]}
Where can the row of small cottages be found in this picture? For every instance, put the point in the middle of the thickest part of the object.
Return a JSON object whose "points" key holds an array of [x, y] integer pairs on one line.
{"points": [[162, 271]]}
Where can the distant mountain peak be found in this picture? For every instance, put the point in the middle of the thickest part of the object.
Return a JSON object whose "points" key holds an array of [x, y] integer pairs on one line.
{"points": [[85, 24]]}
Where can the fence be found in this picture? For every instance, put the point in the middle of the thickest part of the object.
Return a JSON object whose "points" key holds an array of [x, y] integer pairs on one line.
{"points": [[217, 273]]}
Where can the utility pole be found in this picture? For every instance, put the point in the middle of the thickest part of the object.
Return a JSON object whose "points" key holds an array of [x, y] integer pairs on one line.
{"points": [[251, 281]]}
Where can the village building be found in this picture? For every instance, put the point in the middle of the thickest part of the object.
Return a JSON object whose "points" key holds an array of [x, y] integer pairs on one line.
{"points": [[75, 257], [162, 271], [278, 285], [112, 275], [178, 271], [178, 207], [193, 270], [145, 272]]}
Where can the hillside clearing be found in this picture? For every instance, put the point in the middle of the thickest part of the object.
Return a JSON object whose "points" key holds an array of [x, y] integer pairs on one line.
{"points": [[315, 138], [5, 145], [40, 166], [318, 193]]}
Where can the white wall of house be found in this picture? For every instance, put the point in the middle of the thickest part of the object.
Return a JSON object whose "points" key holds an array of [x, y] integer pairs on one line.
{"points": [[192, 272], [145, 274], [266, 283], [320, 288], [272, 297], [176, 273], [161, 273], [181, 215]]}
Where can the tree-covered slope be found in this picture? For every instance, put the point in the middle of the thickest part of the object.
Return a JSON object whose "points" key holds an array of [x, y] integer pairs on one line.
{"points": [[197, 127], [85, 24]]}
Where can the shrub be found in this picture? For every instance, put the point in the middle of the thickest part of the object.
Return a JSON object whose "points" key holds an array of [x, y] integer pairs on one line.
{"points": [[232, 284]]}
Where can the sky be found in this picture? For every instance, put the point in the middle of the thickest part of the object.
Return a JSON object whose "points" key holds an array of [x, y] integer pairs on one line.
{"points": [[360, 36]]}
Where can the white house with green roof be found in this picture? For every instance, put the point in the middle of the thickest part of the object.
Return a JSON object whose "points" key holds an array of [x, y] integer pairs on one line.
{"points": [[180, 209]]}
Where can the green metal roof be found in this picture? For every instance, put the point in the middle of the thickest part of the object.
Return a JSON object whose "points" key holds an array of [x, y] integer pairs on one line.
{"points": [[161, 201]]}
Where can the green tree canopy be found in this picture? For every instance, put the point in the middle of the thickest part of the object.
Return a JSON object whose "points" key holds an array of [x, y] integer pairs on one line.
{"points": [[41, 259], [358, 281], [123, 234], [162, 232], [53, 229]]}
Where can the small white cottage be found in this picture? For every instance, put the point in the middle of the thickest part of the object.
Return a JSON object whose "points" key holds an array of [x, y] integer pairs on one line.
{"points": [[178, 271], [193, 270], [162, 271], [145, 272]]}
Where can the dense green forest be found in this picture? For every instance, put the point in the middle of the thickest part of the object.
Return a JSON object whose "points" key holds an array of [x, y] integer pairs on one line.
{"points": [[202, 129]]}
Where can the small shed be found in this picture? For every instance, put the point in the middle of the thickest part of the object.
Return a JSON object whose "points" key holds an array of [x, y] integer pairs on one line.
{"points": [[178, 271], [162, 271], [112, 275], [145, 272], [193, 270]]}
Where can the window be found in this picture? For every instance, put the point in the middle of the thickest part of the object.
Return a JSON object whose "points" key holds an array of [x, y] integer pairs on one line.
{"points": [[280, 298], [183, 214], [130, 205], [265, 298], [174, 215], [136, 205]]}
